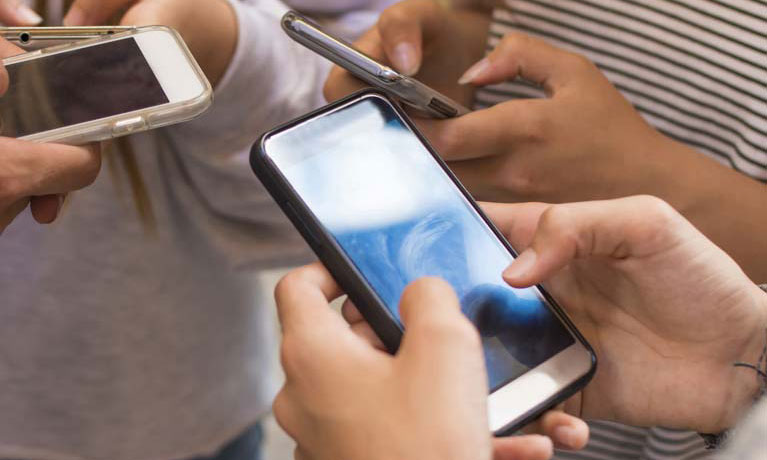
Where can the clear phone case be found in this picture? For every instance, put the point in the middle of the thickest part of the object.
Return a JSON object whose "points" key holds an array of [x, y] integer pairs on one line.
{"points": [[129, 122], [35, 38]]}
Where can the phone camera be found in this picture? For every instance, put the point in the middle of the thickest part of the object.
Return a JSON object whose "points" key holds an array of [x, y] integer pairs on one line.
{"points": [[24, 37]]}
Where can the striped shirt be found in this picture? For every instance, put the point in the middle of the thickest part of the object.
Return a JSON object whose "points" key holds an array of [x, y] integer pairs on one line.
{"points": [[697, 71]]}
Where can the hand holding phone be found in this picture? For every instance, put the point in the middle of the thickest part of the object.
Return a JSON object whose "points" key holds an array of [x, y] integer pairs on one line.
{"points": [[345, 399], [425, 40], [97, 89], [381, 210]]}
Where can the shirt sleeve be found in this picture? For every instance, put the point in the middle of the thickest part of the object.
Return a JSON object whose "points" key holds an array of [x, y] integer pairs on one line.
{"points": [[270, 80]]}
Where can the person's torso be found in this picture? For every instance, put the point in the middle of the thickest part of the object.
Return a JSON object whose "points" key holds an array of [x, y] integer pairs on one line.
{"points": [[119, 338]]}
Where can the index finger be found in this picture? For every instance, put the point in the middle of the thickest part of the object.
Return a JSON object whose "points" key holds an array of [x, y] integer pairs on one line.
{"points": [[404, 27], [497, 130], [517, 222], [33, 169]]}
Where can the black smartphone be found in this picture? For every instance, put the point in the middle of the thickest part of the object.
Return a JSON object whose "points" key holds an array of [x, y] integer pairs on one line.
{"points": [[381, 209]]}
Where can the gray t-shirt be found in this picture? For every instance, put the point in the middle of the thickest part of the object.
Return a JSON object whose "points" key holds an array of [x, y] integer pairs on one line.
{"points": [[121, 344]]}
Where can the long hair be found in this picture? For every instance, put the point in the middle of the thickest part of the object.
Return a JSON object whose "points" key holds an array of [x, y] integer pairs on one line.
{"points": [[118, 153]]}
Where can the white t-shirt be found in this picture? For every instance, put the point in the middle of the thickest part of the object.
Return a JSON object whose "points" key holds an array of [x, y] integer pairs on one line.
{"points": [[118, 343]]}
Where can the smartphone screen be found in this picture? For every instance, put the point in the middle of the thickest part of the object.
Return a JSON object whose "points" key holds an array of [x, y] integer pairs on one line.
{"points": [[398, 216], [69, 88]]}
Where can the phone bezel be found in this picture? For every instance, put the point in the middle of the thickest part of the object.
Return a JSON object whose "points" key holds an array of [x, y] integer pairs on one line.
{"points": [[170, 65], [513, 396], [180, 77]]}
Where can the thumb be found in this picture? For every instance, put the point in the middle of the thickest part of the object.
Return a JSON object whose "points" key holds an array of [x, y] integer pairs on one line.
{"points": [[435, 329], [522, 56], [616, 229]]}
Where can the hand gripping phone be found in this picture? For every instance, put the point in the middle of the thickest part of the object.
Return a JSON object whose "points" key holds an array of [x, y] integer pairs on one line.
{"points": [[34, 38], [92, 90], [407, 90], [380, 209]]}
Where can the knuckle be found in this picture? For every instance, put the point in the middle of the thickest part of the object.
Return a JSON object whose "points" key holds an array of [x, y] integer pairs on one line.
{"points": [[290, 356], [450, 140], [557, 220], [10, 190], [579, 63], [449, 329], [280, 405], [655, 208], [513, 42], [288, 284], [522, 181], [281, 408], [92, 167], [393, 17], [537, 127]]}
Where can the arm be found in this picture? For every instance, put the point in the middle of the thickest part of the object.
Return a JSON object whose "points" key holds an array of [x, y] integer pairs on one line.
{"points": [[269, 80], [262, 78], [585, 141], [728, 207]]}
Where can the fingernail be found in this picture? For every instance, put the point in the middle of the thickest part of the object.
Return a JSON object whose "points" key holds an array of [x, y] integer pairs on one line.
{"points": [[474, 71], [75, 17], [566, 436], [544, 442], [521, 265], [404, 55], [27, 15]]}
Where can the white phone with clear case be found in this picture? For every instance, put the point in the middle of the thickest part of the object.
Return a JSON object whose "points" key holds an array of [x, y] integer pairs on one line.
{"points": [[116, 84]]}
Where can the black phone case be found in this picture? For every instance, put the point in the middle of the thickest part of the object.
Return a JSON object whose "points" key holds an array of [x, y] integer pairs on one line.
{"points": [[346, 273]]}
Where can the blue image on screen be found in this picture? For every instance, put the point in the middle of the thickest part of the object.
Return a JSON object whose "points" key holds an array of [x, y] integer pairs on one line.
{"points": [[399, 217]]}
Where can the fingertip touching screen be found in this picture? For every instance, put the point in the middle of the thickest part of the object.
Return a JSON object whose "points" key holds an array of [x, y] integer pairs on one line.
{"points": [[74, 87], [399, 217]]}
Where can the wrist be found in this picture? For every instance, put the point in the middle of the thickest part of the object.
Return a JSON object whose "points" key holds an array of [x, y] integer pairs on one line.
{"points": [[746, 383]]}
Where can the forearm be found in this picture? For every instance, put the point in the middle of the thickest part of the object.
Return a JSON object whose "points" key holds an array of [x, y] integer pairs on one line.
{"points": [[215, 60], [728, 207], [485, 6]]}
